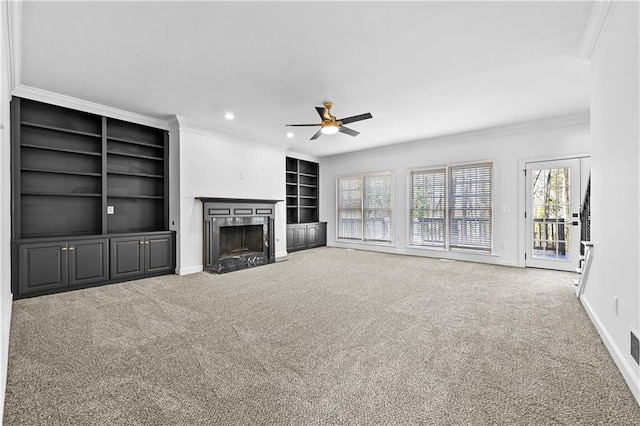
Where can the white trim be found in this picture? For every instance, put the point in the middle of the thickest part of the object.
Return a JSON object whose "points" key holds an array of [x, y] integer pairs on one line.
{"points": [[300, 156], [87, 106], [190, 270], [601, 12], [4, 345], [542, 125], [188, 125], [281, 256], [13, 10], [625, 368]]}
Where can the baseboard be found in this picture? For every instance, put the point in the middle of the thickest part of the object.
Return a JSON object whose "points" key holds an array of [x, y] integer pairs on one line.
{"points": [[614, 350], [190, 270], [282, 256], [4, 345]]}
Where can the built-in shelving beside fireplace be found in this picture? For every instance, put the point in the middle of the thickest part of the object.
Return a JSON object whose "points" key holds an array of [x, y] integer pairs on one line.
{"points": [[90, 200], [304, 231], [237, 233]]}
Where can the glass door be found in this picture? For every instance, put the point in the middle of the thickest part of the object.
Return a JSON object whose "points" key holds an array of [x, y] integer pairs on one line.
{"points": [[553, 207]]}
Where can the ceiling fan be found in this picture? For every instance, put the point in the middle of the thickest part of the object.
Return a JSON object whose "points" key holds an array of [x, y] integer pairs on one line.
{"points": [[331, 125]]}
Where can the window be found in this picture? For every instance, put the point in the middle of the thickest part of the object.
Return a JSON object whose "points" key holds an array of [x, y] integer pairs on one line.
{"points": [[364, 207], [427, 210], [470, 207], [451, 207]]}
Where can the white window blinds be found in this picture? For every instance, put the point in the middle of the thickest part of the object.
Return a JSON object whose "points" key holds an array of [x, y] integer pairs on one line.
{"points": [[365, 207], [427, 225], [350, 208], [470, 206]]}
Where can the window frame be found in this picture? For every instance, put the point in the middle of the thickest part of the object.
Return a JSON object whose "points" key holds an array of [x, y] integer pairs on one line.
{"points": [[447, 246], [363, 239]]}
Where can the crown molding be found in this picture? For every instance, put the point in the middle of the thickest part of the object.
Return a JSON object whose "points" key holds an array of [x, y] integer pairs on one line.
{"points": [[581, 118], [194, 127], [41, 95], [597, 25]]}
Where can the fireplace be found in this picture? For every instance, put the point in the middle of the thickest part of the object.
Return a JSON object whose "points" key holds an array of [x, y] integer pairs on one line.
{"points": [[245, 240], [237, 233]]}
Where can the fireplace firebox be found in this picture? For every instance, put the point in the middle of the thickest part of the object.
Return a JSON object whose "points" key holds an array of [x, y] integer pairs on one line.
{"points": [[241, 240], [237, 233]]}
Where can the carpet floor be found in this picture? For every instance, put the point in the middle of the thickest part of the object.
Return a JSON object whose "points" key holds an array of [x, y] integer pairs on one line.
{"points": [[330, 336]]}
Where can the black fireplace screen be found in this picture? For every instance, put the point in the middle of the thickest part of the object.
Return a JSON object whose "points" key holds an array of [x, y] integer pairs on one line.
{"points": [[241, 240]]}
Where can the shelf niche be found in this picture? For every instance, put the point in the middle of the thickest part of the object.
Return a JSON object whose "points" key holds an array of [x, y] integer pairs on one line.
{"points": [[68, 166]]}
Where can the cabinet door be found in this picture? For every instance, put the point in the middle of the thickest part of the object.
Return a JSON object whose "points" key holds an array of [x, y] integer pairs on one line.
{"points": [[301, 237], [291, 238], [322, 234], [88, 261], [312, 235], [43, 266], [127, 257], [159, 255]]}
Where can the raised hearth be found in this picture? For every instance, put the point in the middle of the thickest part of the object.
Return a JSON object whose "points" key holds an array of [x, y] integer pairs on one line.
{"points": [[238, 233]]}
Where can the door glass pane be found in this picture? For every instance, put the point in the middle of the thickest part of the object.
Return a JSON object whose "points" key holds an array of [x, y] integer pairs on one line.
{"points": [[550, 202]]}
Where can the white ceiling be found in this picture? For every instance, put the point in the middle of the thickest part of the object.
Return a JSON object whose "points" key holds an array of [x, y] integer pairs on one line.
{"points": [[423, 69]]}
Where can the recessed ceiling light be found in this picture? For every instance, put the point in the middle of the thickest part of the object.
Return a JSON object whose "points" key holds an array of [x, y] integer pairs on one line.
{"points": [[289, 135], [229, 116]]}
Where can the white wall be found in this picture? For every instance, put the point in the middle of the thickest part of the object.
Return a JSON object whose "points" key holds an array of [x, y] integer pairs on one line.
{"points": [[615, 188], [505, 147], [210, 167], [5, 209]]}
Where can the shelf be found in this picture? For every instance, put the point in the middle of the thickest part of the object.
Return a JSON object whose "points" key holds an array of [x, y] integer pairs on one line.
{"points": [[292, 184], [308, 175], [71, 162], [133, 141], [309, 197], [124, 154], [59, 129], [147, 175], [72, 151], [60, 172], [144, 197], [307, 207], [60, 194], [292, 172], [308, 186]]}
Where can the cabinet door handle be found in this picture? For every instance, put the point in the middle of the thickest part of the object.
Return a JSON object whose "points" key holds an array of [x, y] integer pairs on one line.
{"points": [[146, 242], [141, 242], [63, 249], [72, 248]]}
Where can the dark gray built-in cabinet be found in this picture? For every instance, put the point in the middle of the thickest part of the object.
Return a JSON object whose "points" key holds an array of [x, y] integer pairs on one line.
{"points": [[304, 231], [80, 183]]}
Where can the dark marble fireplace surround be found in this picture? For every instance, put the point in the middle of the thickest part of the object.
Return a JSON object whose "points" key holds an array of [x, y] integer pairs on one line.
{"points": [[237, 233]]}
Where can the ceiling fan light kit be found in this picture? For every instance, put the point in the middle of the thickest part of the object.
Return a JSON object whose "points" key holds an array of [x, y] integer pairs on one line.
{"points": [[330, 125]]}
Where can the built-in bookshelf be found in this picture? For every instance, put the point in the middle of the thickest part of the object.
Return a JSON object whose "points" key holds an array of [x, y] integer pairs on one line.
{"points": [[301, 191], [303, 229], [77, 173], [90, 199]]}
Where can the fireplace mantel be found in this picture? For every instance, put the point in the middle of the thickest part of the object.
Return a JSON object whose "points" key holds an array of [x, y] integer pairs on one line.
{"points": [[241, 219], [236, 200]]}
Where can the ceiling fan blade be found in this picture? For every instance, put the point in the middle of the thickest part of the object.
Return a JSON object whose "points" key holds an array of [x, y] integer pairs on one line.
{"points": [[317, 135], [348, 131], [322, 111], [301, 125], [356, 118]]}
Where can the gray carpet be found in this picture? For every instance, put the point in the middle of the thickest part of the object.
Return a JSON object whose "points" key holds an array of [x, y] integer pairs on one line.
{"points": [[331, 336]]}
